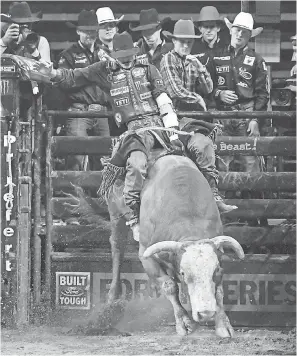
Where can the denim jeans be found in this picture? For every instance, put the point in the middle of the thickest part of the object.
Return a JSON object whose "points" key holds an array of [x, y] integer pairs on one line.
{"points": [[85, 127]]}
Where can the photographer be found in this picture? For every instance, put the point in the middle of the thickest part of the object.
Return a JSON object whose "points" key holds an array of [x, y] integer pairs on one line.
{"points": [[19, 39]]}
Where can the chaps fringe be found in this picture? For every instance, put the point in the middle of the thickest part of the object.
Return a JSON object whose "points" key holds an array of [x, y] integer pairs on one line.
{"points": [[109, 175]]}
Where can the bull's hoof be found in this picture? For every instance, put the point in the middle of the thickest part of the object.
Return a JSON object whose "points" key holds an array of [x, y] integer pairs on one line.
{"points": [[185, 326], [223, 327]]}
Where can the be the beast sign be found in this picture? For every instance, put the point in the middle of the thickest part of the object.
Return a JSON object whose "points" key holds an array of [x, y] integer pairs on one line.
{"points": [[73, 290]]}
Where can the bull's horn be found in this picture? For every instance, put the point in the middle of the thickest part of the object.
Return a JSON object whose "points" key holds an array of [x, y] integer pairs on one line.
{"points": [[228, 241], [162, 246]]}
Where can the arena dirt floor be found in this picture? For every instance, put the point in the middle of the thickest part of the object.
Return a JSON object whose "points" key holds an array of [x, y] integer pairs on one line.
{"points": [[151, 333]]}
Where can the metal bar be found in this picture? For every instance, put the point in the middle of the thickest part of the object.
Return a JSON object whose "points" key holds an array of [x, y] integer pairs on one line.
{"points": [[247, 208], [48, 216], [87, 236], [196, 114], [245, 5], [133, 256], [270, 181], [37, 203]]}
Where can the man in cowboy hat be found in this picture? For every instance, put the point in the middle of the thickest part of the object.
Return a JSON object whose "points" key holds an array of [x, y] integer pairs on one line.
{"points": [[209, 24], [240, 83], [138, 98], [19, 38], [187, 80], [108, 27], [88, 98], [152, 46]]}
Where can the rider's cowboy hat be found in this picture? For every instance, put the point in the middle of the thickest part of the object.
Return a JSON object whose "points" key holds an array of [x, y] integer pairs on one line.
{"points": [[123, 45], [21, 13], [246, 21], [87, 20], [209, 13], [149, 19], [105, 15], [182, 29]]}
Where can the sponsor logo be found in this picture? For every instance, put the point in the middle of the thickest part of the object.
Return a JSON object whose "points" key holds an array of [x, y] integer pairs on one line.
{"points": [[73, 290], [143, 59], [241, 84], [249, 60], [118, 117], [242, 292], [158, 83], [139, 84], [146, 106], [119, 91], [7, 69], [122, 102], [222, 69], [244, 74], [221, 80], [145, 95], [6, 87], [119, 78], [138, 72], [226, 58]]}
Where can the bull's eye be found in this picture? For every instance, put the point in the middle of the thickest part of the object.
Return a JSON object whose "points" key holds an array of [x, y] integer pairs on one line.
{"points": [[218, 275]]}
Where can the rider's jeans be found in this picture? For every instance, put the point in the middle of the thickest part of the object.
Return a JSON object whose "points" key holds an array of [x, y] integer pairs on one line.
{"points": [[201, 149], [136, 172]]}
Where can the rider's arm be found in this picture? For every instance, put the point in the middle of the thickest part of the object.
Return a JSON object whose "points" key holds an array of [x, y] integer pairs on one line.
{"points": [[69, 78]]}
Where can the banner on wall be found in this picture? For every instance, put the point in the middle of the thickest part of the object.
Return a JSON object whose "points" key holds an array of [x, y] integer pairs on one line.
{"points": [[242, 292], [73, 290]]}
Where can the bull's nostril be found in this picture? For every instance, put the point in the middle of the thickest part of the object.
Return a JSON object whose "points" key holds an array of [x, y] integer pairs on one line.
{"points": [[205, 316]]}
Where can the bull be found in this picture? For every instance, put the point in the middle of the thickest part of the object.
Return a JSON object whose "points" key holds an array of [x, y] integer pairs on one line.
{"points": [[181, 240]]}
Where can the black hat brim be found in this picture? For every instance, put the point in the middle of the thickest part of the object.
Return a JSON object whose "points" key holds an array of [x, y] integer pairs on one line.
{"points": [[34, 18], [124, 53], [150, 25]]}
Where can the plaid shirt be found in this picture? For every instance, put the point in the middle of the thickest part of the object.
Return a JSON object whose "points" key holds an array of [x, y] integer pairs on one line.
{"points": [[184, 82]]}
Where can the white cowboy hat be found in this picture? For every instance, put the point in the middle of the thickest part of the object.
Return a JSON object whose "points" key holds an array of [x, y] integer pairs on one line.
{"points": [[246, 21], [105, 14]]}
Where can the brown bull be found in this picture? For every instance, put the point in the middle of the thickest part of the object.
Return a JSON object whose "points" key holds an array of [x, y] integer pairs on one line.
{"points": [[180, 240]]}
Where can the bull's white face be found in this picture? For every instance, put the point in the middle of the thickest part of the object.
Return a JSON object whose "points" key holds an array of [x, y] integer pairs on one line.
{"points": [[197, 267]]}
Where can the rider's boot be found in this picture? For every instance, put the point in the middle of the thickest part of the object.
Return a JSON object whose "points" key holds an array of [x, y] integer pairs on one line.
{"points": [[222, 206]]}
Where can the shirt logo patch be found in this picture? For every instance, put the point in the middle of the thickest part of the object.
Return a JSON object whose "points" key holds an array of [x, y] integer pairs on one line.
{"points": [[244, 74], [146, 106], [119, 78], [138, 72], [249, 60], [142, 59], [221, 80], [222, 69], [226, 58], [241, 84], [145, 95], [118, 117], [158, 83], [119, 91], [122, 102]]}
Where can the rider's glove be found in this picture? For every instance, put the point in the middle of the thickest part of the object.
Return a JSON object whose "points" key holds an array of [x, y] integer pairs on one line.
{"points": [[174, 140]]}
